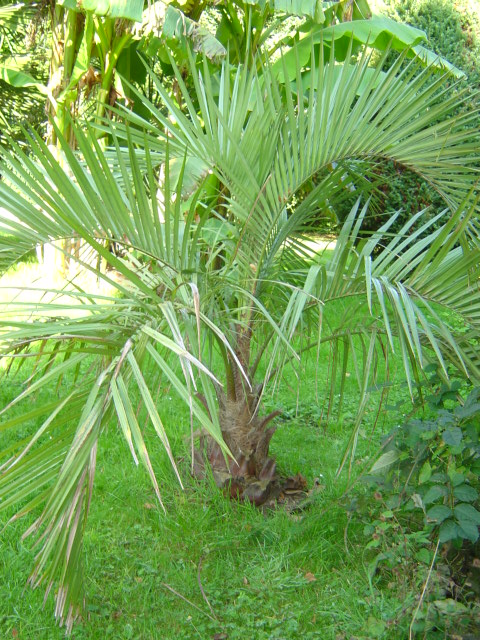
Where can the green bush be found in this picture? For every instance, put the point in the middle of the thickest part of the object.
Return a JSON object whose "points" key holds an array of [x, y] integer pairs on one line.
{"points": [[453, 31], [452, 28], [430, 471], [421, 511]]}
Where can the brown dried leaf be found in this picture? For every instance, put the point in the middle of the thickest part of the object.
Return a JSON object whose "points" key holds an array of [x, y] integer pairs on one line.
{"points": [[310, 577], [236, 489], [216, 457], [295, 482], [239, 468], [268, 470], [198, 465], [222, 478], [256, 492]]}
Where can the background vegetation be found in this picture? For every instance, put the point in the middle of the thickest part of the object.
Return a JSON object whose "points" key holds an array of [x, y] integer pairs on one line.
{"points": [[453, 30]]}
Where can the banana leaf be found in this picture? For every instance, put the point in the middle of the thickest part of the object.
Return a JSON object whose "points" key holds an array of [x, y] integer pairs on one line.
{"points": [[128, 9], [376, 33], [11, 73]]}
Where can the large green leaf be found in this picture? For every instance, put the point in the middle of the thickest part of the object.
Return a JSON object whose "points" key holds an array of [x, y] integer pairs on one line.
{"points": [[377, 33], [11, 72], [84, 56], [432, 59], [179, 30], [311, 8], [129, 9]]}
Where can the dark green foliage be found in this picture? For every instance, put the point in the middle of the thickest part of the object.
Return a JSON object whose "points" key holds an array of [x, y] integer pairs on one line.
{"points": [[399, 189], [421, 511], [430, 468], [453, 31], [24, 45]]}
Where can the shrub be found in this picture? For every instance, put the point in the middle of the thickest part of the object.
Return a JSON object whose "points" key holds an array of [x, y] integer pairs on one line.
{"points": [[421, 511], [453, 31], [429, 471]]}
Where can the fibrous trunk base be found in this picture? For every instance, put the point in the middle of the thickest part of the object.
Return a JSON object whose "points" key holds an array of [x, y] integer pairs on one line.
{"points": [[251, 474]]}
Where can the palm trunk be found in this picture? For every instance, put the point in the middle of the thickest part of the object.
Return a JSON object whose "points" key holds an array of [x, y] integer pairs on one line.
{"points": [[247, 434]]}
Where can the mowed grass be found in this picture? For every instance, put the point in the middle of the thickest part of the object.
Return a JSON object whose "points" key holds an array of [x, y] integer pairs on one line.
{"points": [[210, 567]]}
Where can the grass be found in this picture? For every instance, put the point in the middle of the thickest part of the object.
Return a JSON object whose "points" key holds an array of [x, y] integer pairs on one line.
{"points": [[211, 568], [265, 576]]}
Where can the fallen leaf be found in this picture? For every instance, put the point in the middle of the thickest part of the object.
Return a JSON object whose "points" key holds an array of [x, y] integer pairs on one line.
{"points": [[476, 563], [295, 482], [245, 580], [220, 636], [310, 577], [149, 505], [138, 579]]}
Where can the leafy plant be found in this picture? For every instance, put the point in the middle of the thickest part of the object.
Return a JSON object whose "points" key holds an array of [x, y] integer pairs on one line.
{"points": [[453, 30], [22, 69], [423, 492], [432, 468]]}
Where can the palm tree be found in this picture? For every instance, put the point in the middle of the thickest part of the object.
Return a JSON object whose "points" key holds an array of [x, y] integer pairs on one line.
{"points": [[213, 289]]}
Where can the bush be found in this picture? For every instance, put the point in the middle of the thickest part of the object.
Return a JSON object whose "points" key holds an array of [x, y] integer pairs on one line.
{"points": [[431, 468], [421, 511], [453, 31]]}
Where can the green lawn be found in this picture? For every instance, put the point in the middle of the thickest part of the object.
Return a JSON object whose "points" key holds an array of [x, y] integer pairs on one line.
{"points": [[273, 575], [212, 568]]}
